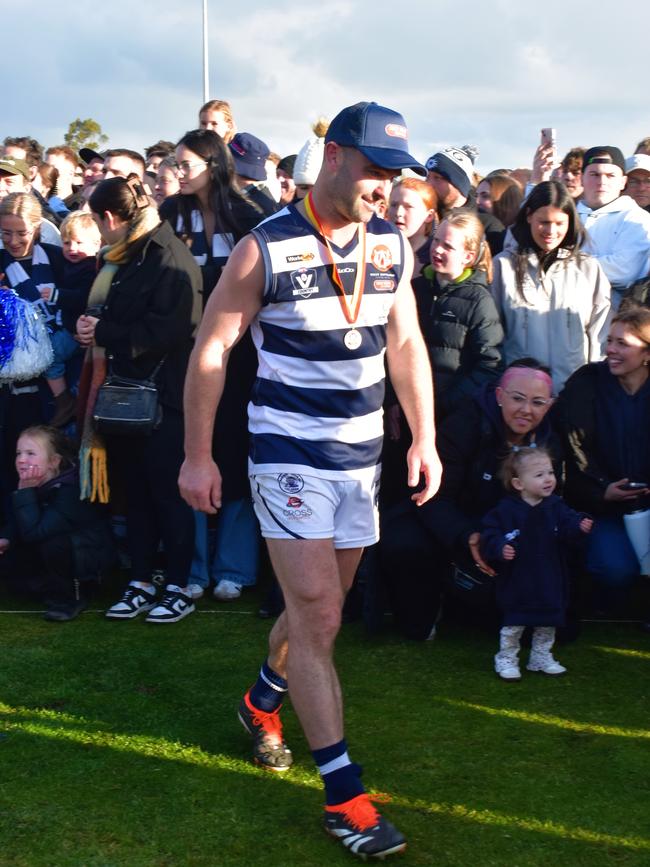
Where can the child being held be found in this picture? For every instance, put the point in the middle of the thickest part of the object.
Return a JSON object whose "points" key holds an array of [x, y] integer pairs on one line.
{"points": [[527, 534], [54, 544], [81, 243]]}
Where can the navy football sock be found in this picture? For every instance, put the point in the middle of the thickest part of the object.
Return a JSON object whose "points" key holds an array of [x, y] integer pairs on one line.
{"points": [[269, 690], [341, 777]]}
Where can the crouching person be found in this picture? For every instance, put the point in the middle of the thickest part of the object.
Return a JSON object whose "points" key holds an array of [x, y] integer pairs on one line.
{"points": [[54, 544]]}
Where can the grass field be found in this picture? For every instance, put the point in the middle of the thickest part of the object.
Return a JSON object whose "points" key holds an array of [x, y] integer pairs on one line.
{"points": [[119, 745]]}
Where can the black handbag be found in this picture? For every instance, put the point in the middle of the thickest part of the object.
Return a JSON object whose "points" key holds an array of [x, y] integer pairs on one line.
{"points": [[128, 407]]}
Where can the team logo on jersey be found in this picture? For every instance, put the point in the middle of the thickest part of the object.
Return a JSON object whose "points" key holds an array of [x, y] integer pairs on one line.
{"points": [[396, 130], [384, 285], [291, 483], [300, 257], [381, 257], [294, 503], [304, 281]]}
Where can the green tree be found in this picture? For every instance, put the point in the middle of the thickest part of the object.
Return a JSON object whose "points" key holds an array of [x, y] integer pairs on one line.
{"points": [[85, 134]]}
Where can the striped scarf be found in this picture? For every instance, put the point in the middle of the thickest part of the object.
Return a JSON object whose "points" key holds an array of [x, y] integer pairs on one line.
{"points": [[28, 287], [222, 243]]}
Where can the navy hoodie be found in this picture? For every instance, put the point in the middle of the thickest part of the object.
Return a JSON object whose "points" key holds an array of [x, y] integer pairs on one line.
{"points": [[532, 589]]}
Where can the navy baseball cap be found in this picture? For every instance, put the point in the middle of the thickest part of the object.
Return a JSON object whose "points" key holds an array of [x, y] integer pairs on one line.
{"points": [[378, 132], [249, 154]]}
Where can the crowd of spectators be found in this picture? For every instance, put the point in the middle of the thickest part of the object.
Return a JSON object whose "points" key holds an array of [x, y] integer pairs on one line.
{"points": [[531, 288]]}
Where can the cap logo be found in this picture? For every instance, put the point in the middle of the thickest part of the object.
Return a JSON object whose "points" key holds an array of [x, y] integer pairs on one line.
{"points": [[395, 130]]}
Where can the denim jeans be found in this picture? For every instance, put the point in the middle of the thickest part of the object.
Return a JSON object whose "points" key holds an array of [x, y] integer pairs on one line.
{"points": [[610, 557], [64, 346], [237, 544]]}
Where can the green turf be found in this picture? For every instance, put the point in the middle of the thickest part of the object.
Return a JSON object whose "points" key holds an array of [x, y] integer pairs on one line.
{"points": [[119, 745]]}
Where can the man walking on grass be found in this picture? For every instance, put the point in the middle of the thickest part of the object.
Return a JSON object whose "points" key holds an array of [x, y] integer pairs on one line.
{"points": [[325, 288]]}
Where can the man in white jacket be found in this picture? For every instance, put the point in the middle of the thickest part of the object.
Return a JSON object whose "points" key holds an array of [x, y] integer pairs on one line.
{"points": [[618, 229]]}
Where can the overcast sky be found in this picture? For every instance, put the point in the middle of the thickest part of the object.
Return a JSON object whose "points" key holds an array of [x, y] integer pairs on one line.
{"points": [[484, 72]]}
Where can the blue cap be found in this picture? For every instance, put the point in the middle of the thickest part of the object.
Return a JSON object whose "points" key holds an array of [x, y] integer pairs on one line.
{"points": [[379, 133], [249, 154]]}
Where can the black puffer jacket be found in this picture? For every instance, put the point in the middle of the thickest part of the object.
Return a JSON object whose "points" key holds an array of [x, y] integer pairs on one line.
{"points": [[41, 514], [463, 334], [148, 314]]}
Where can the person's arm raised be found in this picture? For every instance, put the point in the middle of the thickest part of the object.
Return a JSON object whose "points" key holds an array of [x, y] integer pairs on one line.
{"points": [[232, 305], [410, 372]]}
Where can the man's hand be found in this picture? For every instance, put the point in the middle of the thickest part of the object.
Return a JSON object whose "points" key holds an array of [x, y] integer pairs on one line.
{"points": [[423, 461], [200, 485]]}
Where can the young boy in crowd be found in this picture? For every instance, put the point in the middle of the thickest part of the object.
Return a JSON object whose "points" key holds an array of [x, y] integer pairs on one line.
{"points": [[81, 243]]}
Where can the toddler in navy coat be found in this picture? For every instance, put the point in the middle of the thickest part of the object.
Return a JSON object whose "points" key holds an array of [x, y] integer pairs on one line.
{"points": [[526, 535]]}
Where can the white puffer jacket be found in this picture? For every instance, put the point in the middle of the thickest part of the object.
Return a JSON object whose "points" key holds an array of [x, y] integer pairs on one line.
{"points": [[562, 319]]}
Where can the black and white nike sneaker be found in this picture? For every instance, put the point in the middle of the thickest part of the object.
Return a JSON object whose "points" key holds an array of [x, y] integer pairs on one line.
{"points": [[173, 606]]}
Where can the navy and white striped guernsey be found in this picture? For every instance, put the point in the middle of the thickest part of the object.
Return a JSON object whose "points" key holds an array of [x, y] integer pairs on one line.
{"points": [[316, 406]]}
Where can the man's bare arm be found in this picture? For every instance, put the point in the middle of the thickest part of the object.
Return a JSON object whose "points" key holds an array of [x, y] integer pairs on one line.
{"points": [[410, 372], [232, 305]]}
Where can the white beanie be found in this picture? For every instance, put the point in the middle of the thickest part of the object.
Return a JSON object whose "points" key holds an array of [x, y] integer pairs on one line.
{"points": [[310, 157]]}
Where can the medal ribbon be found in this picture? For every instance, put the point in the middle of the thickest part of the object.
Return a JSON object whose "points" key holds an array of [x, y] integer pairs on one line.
{"points": [[349, 305]]}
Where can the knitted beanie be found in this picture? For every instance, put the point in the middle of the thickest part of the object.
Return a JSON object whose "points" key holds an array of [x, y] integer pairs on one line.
{"points": [[455, 166], [310, 156]]}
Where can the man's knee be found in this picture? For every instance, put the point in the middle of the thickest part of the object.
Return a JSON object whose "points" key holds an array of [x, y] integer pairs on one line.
{"points": [[315, 620]]}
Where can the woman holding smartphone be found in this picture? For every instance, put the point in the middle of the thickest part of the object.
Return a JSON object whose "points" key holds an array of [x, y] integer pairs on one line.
{"points": [[604, 414]]}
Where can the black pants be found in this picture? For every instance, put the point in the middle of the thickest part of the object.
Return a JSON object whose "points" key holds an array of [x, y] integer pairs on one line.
{"points": [[155, 512], [45, 571], [412, 571]]}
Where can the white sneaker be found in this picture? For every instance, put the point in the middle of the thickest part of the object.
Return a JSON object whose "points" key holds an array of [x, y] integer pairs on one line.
{"points": [[509, 672], [226, 591], [196, 591], [546, 664]]}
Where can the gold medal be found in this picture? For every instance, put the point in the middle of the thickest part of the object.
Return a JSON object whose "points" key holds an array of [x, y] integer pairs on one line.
{"points": [[352, 339]]}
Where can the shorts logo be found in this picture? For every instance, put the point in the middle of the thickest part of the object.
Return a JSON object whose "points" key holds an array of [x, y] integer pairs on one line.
{"points": [[297, 514], [291, 483], [300, 257], [381, 258], [384, 285], [396, 130], [304, 281], [294, 503]]}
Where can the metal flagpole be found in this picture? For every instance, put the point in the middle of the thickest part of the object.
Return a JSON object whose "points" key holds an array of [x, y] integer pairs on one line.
{"points": [[206, 76]]}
